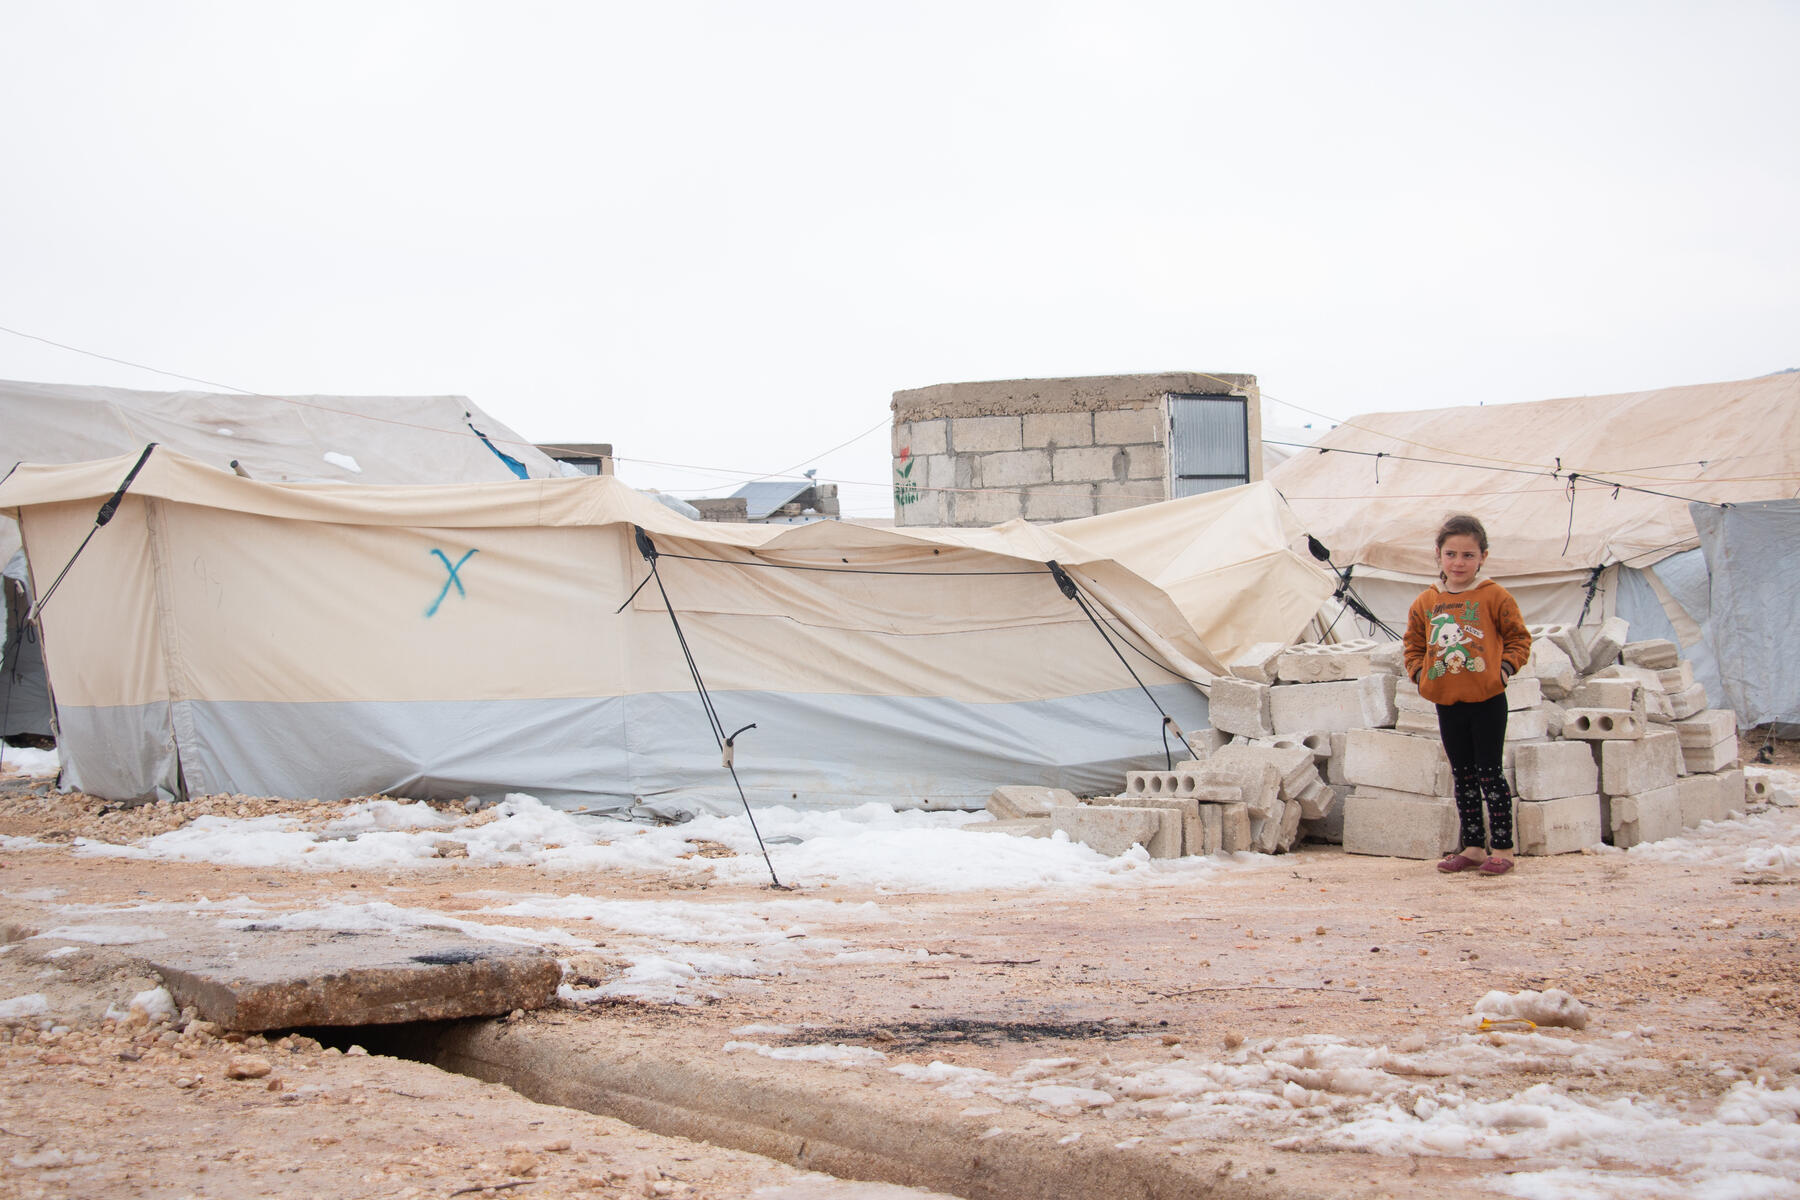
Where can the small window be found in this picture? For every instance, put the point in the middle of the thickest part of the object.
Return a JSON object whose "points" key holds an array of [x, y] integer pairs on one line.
{"points": [[1209, 443]]}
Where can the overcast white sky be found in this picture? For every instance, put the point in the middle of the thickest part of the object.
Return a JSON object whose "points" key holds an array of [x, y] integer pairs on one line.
{"points": [[723, 234]]}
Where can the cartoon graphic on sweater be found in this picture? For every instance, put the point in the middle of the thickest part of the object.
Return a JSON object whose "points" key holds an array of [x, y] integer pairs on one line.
{"points": [[1455, 641]]}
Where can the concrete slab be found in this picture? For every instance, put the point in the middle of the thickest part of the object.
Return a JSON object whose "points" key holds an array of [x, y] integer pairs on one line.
{"points": [[1364, 703], [1112, 831], [1240, 707], [1715, 758], [1702, 798], [1706, 728], [1555, 770], [1311, 662], [1383, 759], [1605, 643], [1658, 654], [258, 979], [1012, 803], [1641, 764], [1564, 825], [1422, 827], [1257, 664], [1034, 827], [1646, 817]]}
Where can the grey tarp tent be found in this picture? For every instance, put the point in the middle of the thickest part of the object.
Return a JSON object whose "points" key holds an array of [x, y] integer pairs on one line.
{"points": [[1753, 560]]}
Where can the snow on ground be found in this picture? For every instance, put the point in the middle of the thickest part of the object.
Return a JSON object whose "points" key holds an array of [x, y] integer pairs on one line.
{"points": [[22, 760], [1322, 1093], [869, 846]]}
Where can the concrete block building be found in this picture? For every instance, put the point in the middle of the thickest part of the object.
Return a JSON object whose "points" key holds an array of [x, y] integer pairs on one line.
{"points": [[974, 454]]}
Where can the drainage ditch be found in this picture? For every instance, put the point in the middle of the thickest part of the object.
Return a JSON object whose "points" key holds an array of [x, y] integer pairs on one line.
{"points": [[814, 1120]]}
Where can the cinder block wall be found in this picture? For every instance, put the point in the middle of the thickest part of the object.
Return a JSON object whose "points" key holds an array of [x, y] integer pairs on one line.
{"points": [[975, 454]]}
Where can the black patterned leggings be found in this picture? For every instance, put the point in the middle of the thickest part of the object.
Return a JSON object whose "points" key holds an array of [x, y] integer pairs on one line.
{"points": [[1474, 735]]}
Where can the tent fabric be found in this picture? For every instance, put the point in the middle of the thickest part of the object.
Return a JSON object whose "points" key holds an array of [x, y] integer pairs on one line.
{"points": [[1570, 549], [1718, 442], [231, 635], [1755, 576], [360, 439]]}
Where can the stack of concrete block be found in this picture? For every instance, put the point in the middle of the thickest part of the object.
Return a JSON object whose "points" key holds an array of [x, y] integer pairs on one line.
{"points": [[1607, 740]]}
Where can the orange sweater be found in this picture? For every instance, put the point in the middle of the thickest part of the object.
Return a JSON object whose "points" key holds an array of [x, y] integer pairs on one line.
{"points": [[1456, 642]]}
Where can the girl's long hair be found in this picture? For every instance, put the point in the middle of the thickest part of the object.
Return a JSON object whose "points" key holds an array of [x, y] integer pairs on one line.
{"points": [[1460, 525]]}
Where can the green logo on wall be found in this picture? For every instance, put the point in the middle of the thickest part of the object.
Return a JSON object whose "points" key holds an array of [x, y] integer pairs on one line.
{"points": [[906, 490]]}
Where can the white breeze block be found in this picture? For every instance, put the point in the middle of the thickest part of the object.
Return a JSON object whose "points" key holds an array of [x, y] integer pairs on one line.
{"points": [[1389, 659], [1719, 757], [1678, 678], [1257, 781], [1598, 724], [1607, 693], [1604, 644], [1257, 664], [1566, 638], [1707, 728], [1112, 831], [1016, 803], [1399, 827], [1640, 765], [1202, 742], [1311, 662], [1416, 724], [1645, 817], [1733, 791], [1551, 668], [1554, 770], [1315, 800], [1293, 764], [1365, 703], [1651, 680], [1378, 758], [1234, 827], [1192, 831], [1319, 744], [1702, 798], [1524, 691], [1161, 783], [1658, 654], [1528, 725], [1407, 699], [1241, 707], [1562, 826], [1688, 702]]}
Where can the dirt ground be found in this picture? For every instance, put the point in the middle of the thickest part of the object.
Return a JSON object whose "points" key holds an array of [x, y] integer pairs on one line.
{"points": [[1694, 963]]}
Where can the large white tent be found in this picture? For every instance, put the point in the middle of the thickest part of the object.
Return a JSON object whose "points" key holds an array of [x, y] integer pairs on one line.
{"points": [[360, 439], [228, 635], [1586, 499]]}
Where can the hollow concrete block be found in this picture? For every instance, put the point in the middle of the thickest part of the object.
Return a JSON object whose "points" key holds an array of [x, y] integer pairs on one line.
{"points": [[1607, 693], [1602, 724], [1234, 827], [1257, 664], [1551, 668], [1702, 798], [1312, 662], [1565, 638], [1708, 727], [1524, 691], [1364, 703]]}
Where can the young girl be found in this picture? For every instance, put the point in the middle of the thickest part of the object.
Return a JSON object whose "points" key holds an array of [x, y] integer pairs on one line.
{"points": [[1464, 640]]}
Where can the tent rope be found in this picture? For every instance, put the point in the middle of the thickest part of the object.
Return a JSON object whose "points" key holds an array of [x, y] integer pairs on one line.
{"points": [[107, 510], [726, 742], [1074, 593]]}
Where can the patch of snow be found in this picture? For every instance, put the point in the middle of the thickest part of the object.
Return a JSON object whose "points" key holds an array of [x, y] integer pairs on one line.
{"points": [[1551, 1007], [380, 916], [155, 1003], [104, 935], [34, 1005], [223, 432], [838, 1055], [61, 951], [23, 760], [342, 460], [17, 844]]}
